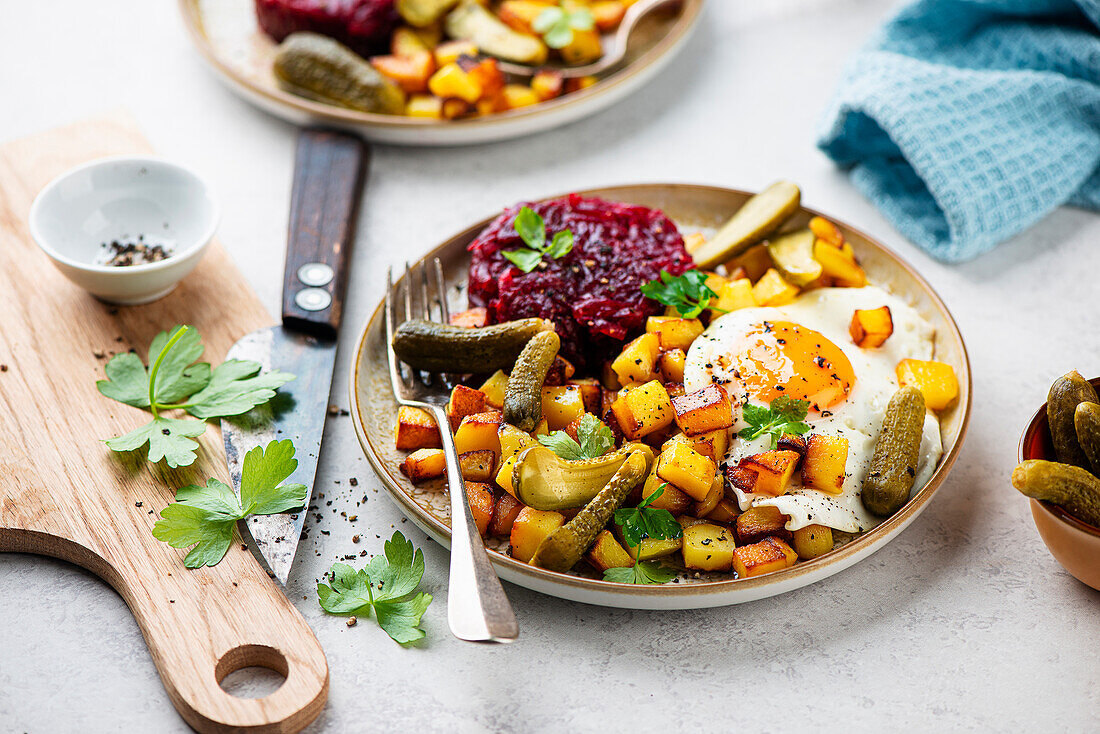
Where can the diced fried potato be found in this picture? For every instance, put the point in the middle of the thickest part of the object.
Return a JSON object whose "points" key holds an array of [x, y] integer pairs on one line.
{"points": [[485, 71], [774, 470], [490, 104], [451, 81], [638, 360], [759, 522], [608, 378], [455, 108], [584, 48], [606, 552], [703, 411], [505, 512], [715, 282], [713, 444], [823, 467], [519, 15], [772, 290], [512, 442], [424, 464], [477, 466], [561, 370], [741, 477], [561, 405], [643, 410], [464, 401], [591, 393], [671, 498], [424, 105], [770, 554], [608, 14], [708, 503], [935, 380], [411, 72], [823, 229], [686, 521], [708, 547], [675, 390], [671, 365], [471, 318], [650, 548], [517, 95], [755, 261], [547, 84], [530, 528], [871, 327], [480, 497], [576, 84], [694, 241], [416, 429], [687, 469], [542, 429], [735, 294], [791, 442], [479, 432], [448, 53], [673, 332], [839, 264], [494, 389], [813, 541], [406, 42], [725, 512]]}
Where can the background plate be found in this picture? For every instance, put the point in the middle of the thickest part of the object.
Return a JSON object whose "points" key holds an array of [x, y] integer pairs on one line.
{"points": [[693, 208], [227, 35]]}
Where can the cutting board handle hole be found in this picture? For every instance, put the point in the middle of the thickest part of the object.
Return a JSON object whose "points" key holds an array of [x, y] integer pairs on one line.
{"points": [[251, 671]]}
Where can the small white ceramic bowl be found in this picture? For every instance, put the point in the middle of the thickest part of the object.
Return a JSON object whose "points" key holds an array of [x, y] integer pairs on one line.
{"points": [[120, 198]]}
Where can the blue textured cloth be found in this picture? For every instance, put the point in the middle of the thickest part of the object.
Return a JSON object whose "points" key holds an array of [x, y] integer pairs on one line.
{"points": [[966, 122]]}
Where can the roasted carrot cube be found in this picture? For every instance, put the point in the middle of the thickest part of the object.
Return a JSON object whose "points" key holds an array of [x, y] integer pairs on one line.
{"points": [[480, 497], [411, 72], [759, 522], [824, 466], [479, 432], [547, 84], [464, 401], [424, 464], [770, 554], [871, 327], [415, 429], [774, 470], [638, 360], [674, 332], [470, 318], [505, 512], [703, 411], [643, 410], [606, 552], [530, 528], [935, 380], [708, 547], [671, 365], [687, 469], [477, 466], [772, 290]]}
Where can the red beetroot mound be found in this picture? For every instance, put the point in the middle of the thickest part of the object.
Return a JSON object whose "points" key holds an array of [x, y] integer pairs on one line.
{"points": [[364, 26], [592, 294]]}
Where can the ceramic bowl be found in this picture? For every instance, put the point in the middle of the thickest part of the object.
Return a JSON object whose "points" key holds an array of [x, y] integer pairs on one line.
{"points": [[1073, 543], [116, 199]]}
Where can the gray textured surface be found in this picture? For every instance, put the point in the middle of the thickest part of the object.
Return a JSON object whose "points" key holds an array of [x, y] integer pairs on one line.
{"points": [[964, 622]]}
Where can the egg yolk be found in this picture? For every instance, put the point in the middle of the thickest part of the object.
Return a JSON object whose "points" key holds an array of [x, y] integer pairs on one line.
{"points": [[784, 358]]}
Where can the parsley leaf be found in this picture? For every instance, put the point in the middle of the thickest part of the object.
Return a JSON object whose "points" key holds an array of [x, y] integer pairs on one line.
{"points": [[644, 572], [644, 521], [531, 228], [556, 24], [687, 293], [385, 586], [128, 380], [786, 415], [169, 440], [235, 388], [204, 516], [596, 439]]}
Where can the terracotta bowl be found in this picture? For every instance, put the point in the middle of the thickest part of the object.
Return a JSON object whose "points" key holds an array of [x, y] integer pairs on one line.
{"points": [[1074, 544]]}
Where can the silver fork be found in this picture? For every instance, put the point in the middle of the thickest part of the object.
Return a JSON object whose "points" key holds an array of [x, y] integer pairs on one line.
{"points": [[477, 608]]}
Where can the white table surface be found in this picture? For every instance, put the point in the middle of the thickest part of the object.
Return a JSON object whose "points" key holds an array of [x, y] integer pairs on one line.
{"points": [[963, 622]]}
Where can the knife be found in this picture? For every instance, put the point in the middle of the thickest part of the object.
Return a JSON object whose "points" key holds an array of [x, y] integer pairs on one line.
{"points": [[329, 169]]}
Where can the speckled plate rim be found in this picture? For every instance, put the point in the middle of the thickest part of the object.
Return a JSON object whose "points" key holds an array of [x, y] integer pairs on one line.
{"points": [[706, 593], [403, 130]]}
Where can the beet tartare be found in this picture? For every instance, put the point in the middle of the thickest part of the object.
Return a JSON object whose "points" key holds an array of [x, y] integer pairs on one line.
{"points": [[364, 26], [592, 293]]}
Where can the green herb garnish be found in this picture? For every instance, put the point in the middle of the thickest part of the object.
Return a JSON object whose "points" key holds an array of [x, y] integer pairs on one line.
{"points": [[531, 228], [596, 439], [644, 521], [687, 293], [786, 415], [556, 24], [203, 516], [643, 572], [173, 382], [385, 586]]}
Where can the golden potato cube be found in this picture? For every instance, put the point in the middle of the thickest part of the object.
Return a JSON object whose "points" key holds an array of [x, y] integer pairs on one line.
{"points": [[813, 541], [477, 466], [479, 432], [759, 522], [650, 548], [416, 429], [427, 106], [591, 393], [673, 332], [608, 14], [774, 470], [517, 95], [505, 512], [754, 262], [708, 547], [520, 14], [530, 528], [464, 401], [424, 464], [405, 42], [448, 53], [410, 72], [542, 429], [638, 360], [694, 241], [772, 290], [583, 49], [480, 497], [494, 389], [606, 552], [770, 554], [935, 380], [686, 521], [576, 84], [703, 411], [643, 410], [839, 264], [871, 327], [671, 365], [823, 467], [471, 318], [708, 503], [561, 370], [671, 498], [547, 84], [451, 81], [735, 294], [713, 444], [561, 405], [725, 512], [825, 230], [687, 469], [512, 442]]}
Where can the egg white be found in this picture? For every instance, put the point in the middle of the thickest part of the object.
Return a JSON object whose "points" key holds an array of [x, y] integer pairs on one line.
{"points": [[858, 418]]}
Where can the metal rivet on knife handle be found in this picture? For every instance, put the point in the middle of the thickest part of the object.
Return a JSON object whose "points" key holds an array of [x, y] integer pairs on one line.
{"points": [[312, 299], [315, 274]]}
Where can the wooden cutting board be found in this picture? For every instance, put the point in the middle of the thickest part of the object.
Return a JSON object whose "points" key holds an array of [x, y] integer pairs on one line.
{"points": [[64, 494]]}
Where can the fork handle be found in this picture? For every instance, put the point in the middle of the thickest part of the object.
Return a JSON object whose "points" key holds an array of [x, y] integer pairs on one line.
{"points": [[477, 608], [329, 168]]}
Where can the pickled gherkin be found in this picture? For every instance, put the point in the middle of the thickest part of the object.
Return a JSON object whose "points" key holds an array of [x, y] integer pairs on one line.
{"points": [[897, 451]]}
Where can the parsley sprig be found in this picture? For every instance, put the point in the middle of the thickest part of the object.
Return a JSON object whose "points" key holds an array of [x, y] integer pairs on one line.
{"points": [[385, 586], [596, 439], [556, 24], [643, 572], [175, 382], [644, 521], [531, 228], [203, 516], [687, 293], [785, 415]]}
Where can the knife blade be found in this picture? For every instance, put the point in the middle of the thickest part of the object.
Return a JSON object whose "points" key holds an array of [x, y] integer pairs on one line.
{"points": [[328, 179]]}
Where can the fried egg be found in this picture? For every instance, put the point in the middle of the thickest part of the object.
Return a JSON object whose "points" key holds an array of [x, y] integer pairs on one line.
{"points": [[803, 350]]}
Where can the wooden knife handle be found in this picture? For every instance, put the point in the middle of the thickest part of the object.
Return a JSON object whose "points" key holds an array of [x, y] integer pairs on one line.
{"points": [[329, 169]]}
